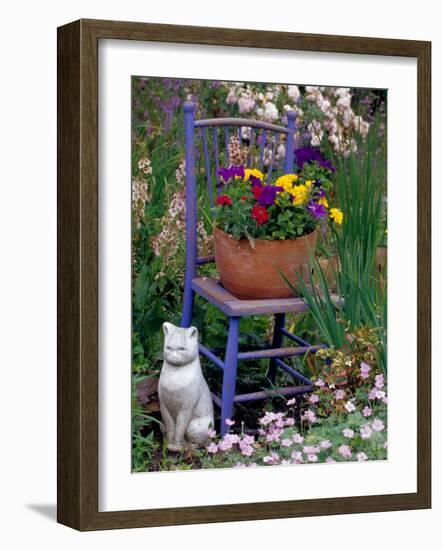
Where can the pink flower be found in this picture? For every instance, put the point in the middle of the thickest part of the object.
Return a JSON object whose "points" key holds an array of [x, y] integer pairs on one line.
{"points": [[211, 433], [228, 441], [362, 457], [320, 383], [312, 457], [289, 421], [366, 411], [339, 394], [309, 415], [246, 445], [310, 449], [377, 425], [313, 398], [379, 381], [297, 457], [376, 393], [229, 422], [297, 438], [273, 458], [286, 442], [349, 406], [345, 451], [365, 431], [365, 370], [326, 444], [212, 448], [348, 433], [291, 402], [385, 445], [330, 460]]}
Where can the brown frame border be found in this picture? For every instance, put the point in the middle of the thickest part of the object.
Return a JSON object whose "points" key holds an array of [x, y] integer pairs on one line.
{"points": [[77, 225]]}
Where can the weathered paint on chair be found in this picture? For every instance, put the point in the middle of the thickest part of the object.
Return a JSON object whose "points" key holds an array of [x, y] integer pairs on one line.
{"points": [[210, 289]]}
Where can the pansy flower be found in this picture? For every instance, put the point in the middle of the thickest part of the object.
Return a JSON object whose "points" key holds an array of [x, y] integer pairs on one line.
{"points": [[233, 172], [268, 195]]}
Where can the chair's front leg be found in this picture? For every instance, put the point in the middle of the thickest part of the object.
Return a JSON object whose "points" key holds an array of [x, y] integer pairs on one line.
{"points": [[276, 343], [188, 298], [229, 376]]}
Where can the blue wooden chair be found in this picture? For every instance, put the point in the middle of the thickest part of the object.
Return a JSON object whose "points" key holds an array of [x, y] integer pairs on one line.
{"points": [[211, 289]]}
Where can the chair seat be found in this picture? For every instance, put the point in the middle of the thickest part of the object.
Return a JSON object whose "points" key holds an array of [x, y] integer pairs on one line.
{"points": [[215, 293]]}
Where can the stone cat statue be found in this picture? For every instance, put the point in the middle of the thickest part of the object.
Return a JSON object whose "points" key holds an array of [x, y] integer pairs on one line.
{"points": [[185, 400]]}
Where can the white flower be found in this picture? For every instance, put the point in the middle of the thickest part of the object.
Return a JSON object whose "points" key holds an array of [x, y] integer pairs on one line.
{"points": [[245, 104], [270, 111], [293, 93]]}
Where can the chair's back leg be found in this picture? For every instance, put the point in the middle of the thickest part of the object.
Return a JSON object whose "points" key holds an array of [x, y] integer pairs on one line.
{"points": [[191, 213], [229, 375], [276, 343]]}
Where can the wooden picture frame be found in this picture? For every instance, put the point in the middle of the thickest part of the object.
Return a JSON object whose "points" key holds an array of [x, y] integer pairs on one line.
{"points": [[78, 274]]}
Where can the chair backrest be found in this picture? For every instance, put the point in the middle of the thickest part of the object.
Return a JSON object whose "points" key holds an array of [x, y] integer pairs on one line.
{"points": [[262, 136]]}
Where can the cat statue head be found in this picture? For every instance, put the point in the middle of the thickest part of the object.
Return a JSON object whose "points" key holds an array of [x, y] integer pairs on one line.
{"points": [[180, 344]]}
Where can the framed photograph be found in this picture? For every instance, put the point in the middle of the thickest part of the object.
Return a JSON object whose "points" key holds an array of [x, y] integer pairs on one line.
{"points": [[244, 286]]}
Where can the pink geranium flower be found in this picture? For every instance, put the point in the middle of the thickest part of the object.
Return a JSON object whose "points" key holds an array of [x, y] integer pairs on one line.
{"points": [[273, 458], [313, 398], [361, 457], [339, 394], [348, 433], [309, 415], [366, 411], [379, 381], [345, 451], [212, 448], [211, 433], [377, 425], [365, 431], [349, 406], [229, 422], [365, 370], [291, 402]]}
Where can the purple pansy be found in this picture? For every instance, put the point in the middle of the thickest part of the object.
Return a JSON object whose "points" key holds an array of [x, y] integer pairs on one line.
{"points": [[268, 195], [254, 180], [228, 173], [318, 211], [311, 154]]}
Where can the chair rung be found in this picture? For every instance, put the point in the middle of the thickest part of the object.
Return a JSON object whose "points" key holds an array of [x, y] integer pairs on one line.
{"points": [[265, 394], [210, 355], [277, 352]]}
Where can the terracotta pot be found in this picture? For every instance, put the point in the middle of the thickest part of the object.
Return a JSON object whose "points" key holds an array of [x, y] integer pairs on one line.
{"points": [[255, 273]]}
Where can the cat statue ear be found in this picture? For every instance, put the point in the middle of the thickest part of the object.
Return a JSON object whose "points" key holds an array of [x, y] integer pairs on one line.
{"points": [[168, 328]]}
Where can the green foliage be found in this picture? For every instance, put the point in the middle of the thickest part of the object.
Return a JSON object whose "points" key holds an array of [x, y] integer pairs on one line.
{"points": [[360, 297]]}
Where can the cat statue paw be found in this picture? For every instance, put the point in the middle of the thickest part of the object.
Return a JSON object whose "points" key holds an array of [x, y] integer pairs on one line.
{"points": [[185, 401]]}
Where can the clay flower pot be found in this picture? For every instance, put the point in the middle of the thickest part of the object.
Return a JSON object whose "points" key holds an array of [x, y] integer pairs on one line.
{"points": [[252, 274]]}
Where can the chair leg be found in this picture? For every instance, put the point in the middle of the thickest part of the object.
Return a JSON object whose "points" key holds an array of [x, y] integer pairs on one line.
{"points": [[186, 319], [276, 343], [229, 376]]}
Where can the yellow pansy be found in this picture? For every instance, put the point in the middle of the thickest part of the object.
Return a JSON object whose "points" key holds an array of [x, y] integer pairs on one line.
{"points": [[336, 215], [323, 201], [252, 172], [300, 194], [308, 184], [286, 182]]}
